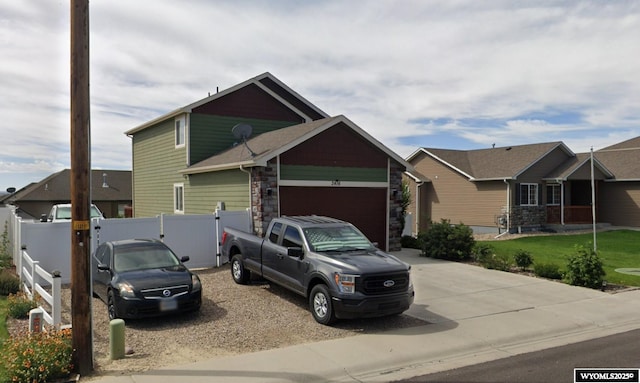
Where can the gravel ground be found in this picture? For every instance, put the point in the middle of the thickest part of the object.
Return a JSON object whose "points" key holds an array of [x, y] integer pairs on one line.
{"points": [[234, 319]]}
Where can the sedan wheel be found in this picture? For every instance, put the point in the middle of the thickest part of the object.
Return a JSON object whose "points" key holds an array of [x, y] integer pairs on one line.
{"points": [[320, 305], [111, 306]]}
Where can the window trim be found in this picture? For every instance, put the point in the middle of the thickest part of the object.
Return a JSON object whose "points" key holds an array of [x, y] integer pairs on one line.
{"points": [[529, 187], [180, 131], [178, 205], [554, 186]]}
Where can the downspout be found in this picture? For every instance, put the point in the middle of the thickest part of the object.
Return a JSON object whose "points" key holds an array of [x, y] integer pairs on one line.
{"points": [[250, 196]]}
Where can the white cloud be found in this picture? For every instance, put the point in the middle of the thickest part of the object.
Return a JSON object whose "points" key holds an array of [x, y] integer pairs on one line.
{"points": [[383, 64]]}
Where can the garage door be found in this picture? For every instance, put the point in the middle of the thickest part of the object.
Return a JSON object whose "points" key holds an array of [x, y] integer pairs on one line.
{"points": [[366, 208]]}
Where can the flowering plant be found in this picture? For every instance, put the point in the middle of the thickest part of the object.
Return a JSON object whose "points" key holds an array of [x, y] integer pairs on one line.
{"points": [[38, 357]]}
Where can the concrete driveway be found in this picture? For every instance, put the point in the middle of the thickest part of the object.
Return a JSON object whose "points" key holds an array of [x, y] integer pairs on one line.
{"points": [[472, 315]]}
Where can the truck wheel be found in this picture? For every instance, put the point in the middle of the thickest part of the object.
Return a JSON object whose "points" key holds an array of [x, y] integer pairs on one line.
{"points": [[321, 306], [238, 272]]}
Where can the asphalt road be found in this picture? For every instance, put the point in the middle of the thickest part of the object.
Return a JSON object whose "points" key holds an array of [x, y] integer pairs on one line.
{"points": [[551, 365]]}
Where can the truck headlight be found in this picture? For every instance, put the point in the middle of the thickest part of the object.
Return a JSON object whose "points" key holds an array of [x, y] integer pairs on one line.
{"points": [[346, 282]]}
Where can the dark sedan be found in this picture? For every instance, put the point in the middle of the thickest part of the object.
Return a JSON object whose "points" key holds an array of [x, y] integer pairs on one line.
{"points": [[142, 278]]}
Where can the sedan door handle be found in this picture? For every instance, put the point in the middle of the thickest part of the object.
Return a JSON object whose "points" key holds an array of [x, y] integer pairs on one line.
{"points": [[280, 255]]}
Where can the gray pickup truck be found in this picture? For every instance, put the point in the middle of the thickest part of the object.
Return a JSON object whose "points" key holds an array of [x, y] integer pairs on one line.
{"points": [[328, 261]]}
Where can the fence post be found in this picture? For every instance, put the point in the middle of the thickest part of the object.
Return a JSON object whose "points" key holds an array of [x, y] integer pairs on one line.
{"points": [[33, 279], [56, 296]]}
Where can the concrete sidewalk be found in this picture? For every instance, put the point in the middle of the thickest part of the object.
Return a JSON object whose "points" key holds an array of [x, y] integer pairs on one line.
{"points": [[474, 315]]}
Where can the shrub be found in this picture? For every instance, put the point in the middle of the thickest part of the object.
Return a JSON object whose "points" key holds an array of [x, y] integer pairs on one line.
{"points": [[9, 283], [482, 251], [547, 270], [38, 357], [500, 262], [19, 305], [409, 242], [584, 268], [446, 241], [523, 259]]}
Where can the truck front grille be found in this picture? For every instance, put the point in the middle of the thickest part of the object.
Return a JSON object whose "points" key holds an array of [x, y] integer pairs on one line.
{"points": [[384, 283]]}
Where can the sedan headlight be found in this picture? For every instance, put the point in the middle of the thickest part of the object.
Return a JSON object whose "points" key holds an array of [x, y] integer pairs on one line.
{"points": [[195, 282], [126, 290], [346, 282]]}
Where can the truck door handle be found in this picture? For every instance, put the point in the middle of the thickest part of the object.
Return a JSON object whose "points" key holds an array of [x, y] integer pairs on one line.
{"points": [[280, 255]]}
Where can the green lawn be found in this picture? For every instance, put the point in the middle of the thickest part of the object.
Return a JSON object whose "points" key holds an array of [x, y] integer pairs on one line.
{"points": [[616, 249], [3, 319]]}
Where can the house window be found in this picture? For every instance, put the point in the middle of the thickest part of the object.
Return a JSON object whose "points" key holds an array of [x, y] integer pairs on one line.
{"points": [[553, 194], [178, 198], [529, 194], [180, 124]]}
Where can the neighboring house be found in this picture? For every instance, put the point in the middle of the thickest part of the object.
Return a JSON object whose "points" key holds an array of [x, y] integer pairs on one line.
{"points": [[110, 191], [297, 161], [512, 188]]}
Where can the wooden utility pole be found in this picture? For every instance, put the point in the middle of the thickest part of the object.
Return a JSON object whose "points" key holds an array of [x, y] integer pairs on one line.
{"points": [[80, 189]]}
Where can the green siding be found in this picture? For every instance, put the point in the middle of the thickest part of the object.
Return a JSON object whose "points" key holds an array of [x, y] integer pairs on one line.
{"points": [[204, 191], [325, 173], [210, 135], [156, 163]]}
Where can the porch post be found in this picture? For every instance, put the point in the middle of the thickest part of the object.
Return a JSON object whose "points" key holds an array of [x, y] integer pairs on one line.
{"points": [[562, 202]]}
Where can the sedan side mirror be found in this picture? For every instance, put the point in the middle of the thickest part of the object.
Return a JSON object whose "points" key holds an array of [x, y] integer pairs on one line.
{"points": [[184, 259]]}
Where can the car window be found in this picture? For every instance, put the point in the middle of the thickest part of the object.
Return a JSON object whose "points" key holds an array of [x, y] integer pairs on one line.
{"points": [[63, 212], [129, 258], [336, 238], [292, 237], [100, 253], [276, 229]]}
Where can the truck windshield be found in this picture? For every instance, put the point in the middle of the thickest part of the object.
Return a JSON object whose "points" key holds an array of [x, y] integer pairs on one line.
{"points": [[336, 238]]}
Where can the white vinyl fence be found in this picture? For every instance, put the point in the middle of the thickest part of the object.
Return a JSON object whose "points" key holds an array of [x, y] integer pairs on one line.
{"points": [[34, 280], [196, 236]]}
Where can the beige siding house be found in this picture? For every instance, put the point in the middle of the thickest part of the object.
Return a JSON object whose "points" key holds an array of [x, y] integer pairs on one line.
{"points": [[525, 187]]}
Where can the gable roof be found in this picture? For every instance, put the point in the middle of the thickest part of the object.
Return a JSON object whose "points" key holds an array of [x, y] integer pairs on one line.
{"points": [[573, 164], [494, 163], [262, 148], [116, 186], [623, 159], [267, 82]]}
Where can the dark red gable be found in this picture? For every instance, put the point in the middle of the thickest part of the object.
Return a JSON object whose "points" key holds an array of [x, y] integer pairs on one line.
{"points": [[250, 102], [337, 146]]}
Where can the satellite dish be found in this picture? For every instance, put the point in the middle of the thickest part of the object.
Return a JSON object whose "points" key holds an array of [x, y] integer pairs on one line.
{"points": [[242, 132]]}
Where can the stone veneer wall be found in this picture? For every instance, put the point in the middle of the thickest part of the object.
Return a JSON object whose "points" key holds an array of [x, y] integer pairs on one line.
{"points": [[527, 216], [395, 206], [264, 196]]}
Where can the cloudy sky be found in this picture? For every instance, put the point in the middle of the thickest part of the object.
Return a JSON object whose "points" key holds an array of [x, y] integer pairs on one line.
{"points": [[444, 73]]}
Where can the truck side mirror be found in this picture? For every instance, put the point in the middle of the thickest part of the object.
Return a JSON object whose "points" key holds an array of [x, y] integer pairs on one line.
{"points": [[43, 218], [295, 252]]}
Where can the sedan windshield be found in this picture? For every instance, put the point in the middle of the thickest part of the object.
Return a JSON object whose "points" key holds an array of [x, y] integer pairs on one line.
{"points": [[143, 257], [336, 238]]}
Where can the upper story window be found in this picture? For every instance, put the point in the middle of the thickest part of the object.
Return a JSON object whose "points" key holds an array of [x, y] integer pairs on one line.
{"points": [[180, 131], [528, 195]]}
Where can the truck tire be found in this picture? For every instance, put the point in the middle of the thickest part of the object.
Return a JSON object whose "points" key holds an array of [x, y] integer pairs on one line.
{"points": [[238, 272], [320, 305]]}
